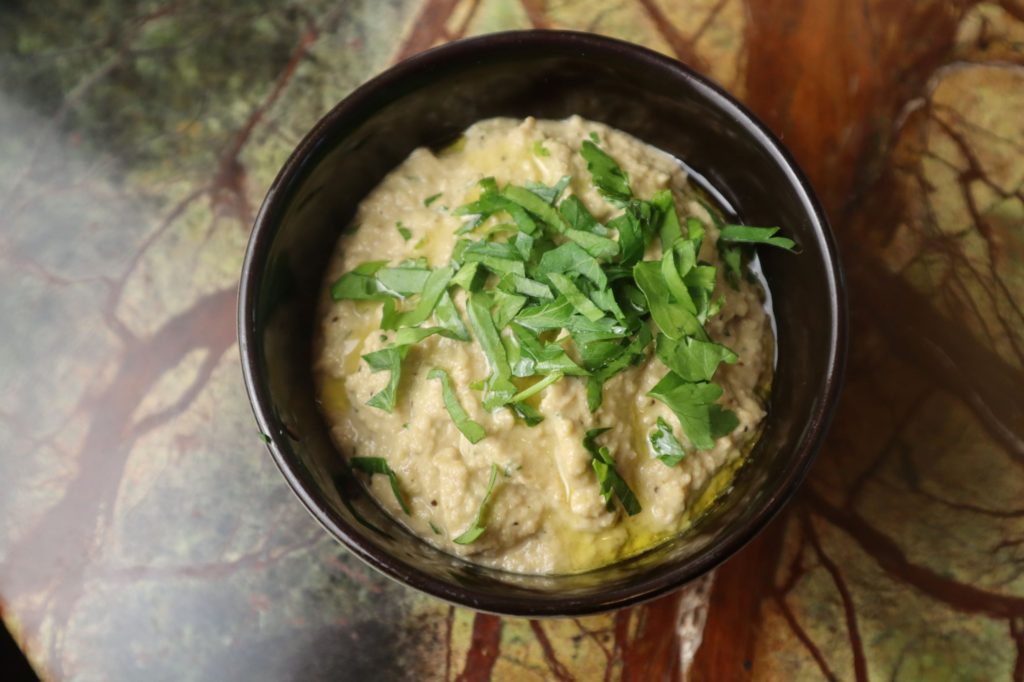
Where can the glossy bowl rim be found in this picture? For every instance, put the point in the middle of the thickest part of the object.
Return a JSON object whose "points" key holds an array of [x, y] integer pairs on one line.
{"points": [[264, 230]]}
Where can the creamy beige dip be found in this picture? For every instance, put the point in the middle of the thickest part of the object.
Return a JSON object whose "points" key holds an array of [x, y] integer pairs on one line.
{"points": [[546, 514]]}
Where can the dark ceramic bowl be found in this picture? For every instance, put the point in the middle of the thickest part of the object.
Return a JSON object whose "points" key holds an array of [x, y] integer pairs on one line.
{"points": [[429, 100]]}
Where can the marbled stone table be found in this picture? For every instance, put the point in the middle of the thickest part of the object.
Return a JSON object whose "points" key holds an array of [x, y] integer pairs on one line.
{"points": [[144, 531]]}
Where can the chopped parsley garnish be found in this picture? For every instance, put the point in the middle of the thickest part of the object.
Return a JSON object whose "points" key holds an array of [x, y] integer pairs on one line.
{"points": [[379, 465], [550, 293], [403, 230], [473, 432], [477, 528]]}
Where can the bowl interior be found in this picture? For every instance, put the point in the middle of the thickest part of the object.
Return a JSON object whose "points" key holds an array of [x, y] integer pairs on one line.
{"points": [[429, 101]]}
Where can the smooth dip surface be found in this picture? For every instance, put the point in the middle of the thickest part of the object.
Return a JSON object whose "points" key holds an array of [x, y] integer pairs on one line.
{"points": [[546, 514]]}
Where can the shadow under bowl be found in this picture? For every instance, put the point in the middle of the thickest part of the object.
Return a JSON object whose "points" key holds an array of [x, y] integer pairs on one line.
{"points": [[429, 100]]}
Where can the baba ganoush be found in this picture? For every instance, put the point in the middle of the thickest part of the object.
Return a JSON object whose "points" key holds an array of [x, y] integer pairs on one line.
{"points": [[541, 347]]}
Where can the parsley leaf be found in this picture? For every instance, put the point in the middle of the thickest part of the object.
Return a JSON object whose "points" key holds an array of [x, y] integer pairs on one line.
{"points": [[539, 149], [404, 281], [379, 465], [676, 264], [498, 388], [473, 432], [469, 277], [432, 198], [536, 205], [611, 181], [447, 316], [695, 231], [403, 230], [666, 447], [524, 286], [693, 359], [529, 414], [755, 235], [552, 315], [700, 282], [506, 306], [477, 528], [579, 218], [360, 284], [386, 360], [612, 484], [407, 336], [544, 358], [572, 294], [630, 355], [536, 388], [434, 287], [669, 229], [549, 194], [491, 202], [570, 257], [702, 419], [734, 258], [595, 245], [635, 227], [674, 321]]}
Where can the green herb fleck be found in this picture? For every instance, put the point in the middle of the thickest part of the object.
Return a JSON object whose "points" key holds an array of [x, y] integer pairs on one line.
{"points": [[539, 149], [432, 198], [403, 230]]}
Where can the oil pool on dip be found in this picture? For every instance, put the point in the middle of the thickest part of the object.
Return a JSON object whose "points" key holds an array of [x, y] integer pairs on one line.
{"points": [[541, 347]]}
